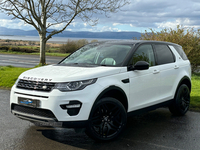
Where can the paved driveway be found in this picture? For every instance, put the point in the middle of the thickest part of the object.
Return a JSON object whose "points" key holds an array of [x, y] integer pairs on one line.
{"points": [[156, 130]]}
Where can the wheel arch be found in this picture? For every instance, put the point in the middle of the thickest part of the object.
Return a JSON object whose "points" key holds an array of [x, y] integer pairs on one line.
{"points": [[114, 92], [177, 107], [185, 80]]}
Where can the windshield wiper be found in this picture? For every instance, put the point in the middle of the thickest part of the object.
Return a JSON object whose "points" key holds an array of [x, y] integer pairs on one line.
{"points": [[103, 65]]}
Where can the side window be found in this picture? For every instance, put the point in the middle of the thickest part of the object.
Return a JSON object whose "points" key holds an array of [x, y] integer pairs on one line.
{"points": [[181, 52], [144, 53], [164, 54]]}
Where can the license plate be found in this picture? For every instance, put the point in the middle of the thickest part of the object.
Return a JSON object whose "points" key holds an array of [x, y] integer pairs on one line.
{"points": [[28, 102]]}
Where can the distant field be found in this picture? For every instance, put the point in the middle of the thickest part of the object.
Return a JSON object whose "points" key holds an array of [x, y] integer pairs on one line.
{"points": [[33, 47], [19, 47]]}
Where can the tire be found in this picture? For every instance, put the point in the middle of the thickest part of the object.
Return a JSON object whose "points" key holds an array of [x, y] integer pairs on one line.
{"points": [[107, 120], [181, 102]]}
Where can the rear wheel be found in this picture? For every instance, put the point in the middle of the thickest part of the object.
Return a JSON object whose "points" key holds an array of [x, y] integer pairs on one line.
{"points": [[181, 101], [107, 119]]}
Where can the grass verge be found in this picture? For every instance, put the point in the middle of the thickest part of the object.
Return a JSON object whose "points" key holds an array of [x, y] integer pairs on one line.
{"points": [[195, 93], [53, 54], [9, 74]]}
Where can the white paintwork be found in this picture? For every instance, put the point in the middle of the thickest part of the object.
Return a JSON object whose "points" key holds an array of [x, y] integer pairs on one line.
{"points": [[68, 73], [146, 88]]}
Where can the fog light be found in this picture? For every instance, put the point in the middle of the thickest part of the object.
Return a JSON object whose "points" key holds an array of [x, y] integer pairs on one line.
{"points": [[73, 107]]}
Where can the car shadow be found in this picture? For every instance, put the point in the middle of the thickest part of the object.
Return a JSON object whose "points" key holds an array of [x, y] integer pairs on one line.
{"points": [[140, 131]]}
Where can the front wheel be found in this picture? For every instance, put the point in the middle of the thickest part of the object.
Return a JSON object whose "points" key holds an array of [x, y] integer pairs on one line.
{"points": [[181, 101], [107, 119]]}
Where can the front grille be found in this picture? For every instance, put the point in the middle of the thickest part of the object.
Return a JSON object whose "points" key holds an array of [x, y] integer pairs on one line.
{"points": [[33, 111], [35, 85]]}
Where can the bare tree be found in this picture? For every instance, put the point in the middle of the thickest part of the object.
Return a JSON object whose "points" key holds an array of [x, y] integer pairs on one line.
{"points": [[45, 14]]}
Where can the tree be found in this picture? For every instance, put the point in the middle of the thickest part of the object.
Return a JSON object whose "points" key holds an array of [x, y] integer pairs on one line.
{"points": [[188, 38], [46, 14]]}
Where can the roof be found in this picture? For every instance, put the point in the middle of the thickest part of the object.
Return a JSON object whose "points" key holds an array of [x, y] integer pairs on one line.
{"points": [[138, 42]]}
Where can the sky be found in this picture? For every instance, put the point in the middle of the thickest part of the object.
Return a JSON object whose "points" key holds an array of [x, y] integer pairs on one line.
{"points": [[139, 15]]}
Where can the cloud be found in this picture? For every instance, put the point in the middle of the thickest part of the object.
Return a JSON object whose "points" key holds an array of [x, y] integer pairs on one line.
{"points": [[77, 26], [138, 15], [4, 16], [156, 14], [107, 28], [116, 24], [85, 24], [59, 26], [173, 24], [5, 22], [15, 24]]}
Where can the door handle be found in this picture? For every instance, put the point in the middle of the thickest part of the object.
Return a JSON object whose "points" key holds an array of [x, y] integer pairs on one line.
{"points": [[156, 71], [176, 67]]}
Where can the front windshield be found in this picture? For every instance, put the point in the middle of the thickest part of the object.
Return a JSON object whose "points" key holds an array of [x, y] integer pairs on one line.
{"points": [[104, 54]]}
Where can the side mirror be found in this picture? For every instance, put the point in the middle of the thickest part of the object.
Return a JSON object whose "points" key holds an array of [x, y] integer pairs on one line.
{"points": [[140, 65]]}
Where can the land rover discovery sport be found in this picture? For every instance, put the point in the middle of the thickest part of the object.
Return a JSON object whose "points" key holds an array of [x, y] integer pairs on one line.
{"points": [[98, 85]]}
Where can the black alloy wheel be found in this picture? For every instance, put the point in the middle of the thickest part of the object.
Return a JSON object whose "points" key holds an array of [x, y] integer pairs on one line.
{"points": [[181, 101], [107, 119]]}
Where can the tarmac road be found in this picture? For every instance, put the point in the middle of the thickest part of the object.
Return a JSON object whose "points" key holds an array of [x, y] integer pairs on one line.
{"points": [[156, 130], [26, 61]]}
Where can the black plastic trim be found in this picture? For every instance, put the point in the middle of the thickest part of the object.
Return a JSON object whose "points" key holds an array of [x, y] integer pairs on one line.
{"points": [[150, 108], [113, 87], [185, 78], [126, 80], [54, 122], [75, 124], [181, 81], [72, 111]]}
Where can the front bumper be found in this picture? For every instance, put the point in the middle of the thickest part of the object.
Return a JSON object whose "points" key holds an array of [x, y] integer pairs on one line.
{"points": [[51, 108], [45, 121]]}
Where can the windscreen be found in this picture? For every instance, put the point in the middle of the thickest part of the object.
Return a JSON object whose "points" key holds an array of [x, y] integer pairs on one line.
{"points": [[102, 54]]}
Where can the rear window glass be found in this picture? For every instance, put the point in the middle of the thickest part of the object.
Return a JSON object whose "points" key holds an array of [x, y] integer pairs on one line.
{"points": [[181, 52], [164, 54]]}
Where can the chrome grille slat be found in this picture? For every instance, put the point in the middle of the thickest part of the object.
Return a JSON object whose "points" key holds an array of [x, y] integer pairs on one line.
{"points": [[35, 85]]}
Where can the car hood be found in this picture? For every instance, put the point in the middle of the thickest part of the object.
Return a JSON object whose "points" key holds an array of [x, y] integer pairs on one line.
{"points": [[55, 73]]}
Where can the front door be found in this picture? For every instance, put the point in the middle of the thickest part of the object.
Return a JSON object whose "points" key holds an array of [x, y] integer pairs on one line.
{"points": [[144, 84]]}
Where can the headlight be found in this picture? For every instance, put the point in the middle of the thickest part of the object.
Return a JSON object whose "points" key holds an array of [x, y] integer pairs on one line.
{"points": [[73, 86]]}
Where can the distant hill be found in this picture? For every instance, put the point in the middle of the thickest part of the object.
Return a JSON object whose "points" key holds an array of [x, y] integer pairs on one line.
{"points": [[80, 34]]}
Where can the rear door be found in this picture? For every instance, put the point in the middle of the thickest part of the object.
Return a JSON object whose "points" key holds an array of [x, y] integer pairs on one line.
{"points": [[168, 68]]}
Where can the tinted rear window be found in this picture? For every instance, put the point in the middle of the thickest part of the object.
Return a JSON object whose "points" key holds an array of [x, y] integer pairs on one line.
{"points": [[181, 52], [164, 54]]}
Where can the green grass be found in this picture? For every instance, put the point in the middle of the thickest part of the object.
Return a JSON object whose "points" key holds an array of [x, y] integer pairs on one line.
{"points": [[53, 54], [9, 74], [195, 93], [31, 47]]}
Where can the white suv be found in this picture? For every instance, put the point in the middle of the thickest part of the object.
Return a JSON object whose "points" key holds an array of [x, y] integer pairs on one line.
{"points": [[97, 86]]}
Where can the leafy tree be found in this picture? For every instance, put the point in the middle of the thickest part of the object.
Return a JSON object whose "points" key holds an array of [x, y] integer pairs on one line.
{"points": [[45, 14], [188, 38]]}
